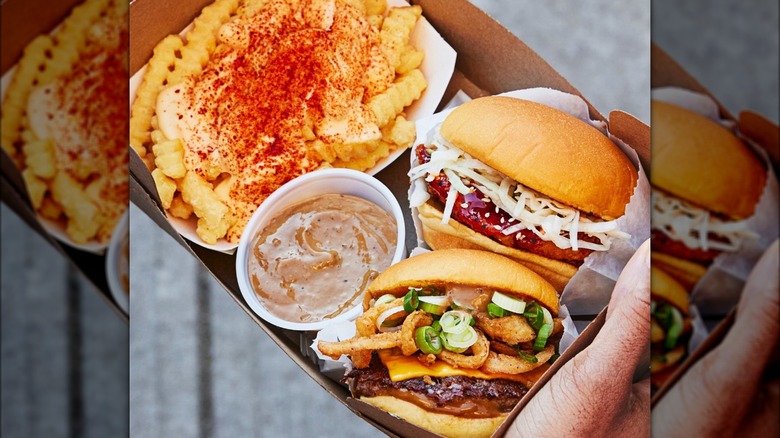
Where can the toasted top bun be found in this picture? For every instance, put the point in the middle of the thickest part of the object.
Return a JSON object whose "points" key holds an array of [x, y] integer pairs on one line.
{"points": [[465, 267], [664, 286], [700, 161], [547, 150]]}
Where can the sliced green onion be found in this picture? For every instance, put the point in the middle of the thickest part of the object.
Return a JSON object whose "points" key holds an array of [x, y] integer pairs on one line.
{"points": [[455, 321], [528, 357], [675, 330], [390, 319], [446, 343], [535, 316], [411, 301], [541, 337], [506, 302], [554, 358], [548, 319], [436, 326], [663, 315], [392, 322], [427, 340], [432, 308], [460, 341], [439, 300], [464, 339], [472, 321], [435, 305], [495, 311], [384, 299]]}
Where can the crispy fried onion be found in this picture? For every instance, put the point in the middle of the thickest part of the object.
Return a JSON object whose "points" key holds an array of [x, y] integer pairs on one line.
{"points": [[416, 319], [502, 363], [481, 302], [479, 350], [427, 359], [502, 348], [379, 341], [365, 325], [512, 329]]}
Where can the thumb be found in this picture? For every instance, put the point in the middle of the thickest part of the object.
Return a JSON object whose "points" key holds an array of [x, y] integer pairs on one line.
{"points": [[750, 341], [624, 338]]}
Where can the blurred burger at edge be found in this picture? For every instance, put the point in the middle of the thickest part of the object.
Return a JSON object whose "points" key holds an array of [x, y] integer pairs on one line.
{"points": [[706, 184]]}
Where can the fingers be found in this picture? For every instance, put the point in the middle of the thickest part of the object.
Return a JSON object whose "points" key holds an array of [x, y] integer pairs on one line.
{"points": [[595, 388], [623, 342], [749, 344], [697, 405]]}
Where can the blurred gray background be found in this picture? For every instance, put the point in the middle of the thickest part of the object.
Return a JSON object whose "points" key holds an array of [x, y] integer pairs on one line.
{"points": [[64, 350], [729, 46], [201, 367]]}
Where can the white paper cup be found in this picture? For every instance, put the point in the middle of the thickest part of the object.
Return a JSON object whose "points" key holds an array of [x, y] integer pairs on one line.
{"points": [[114, 259], [311, 185]]}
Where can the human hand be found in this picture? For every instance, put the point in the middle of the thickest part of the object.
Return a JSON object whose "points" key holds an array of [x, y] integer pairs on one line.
{"points": [[727, 393], [594, 394]]}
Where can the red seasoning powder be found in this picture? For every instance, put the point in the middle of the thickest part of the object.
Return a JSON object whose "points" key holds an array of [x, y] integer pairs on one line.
{"points": [[274, 73], [85, 112]]}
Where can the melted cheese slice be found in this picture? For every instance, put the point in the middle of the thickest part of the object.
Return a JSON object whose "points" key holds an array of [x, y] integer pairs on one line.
{"points": [[403, 368]]}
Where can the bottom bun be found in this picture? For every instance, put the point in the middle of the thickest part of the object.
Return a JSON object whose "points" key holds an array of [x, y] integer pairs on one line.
{"points": [[686, 272], [456, 235], [443, 424]]}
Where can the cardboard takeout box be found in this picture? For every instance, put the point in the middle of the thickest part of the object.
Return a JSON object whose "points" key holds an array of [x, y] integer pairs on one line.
{"points": [[22, 21], [666, 72], [490, 60]]}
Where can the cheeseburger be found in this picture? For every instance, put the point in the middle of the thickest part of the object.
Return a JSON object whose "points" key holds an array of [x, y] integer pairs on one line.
{"points": [[523, 180], [451, 340], [670, 325], [706, 183]]}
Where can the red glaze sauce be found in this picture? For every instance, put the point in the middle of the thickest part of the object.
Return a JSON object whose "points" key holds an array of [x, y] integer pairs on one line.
{"points": [[665, 244], [479, 213]]}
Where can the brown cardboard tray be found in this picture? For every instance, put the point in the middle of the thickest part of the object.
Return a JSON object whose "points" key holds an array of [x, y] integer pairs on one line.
{"points": [[666, 72], [490, 60]]}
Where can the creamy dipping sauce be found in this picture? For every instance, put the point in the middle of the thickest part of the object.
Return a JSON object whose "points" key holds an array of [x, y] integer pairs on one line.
{"points": [[315, 259]]}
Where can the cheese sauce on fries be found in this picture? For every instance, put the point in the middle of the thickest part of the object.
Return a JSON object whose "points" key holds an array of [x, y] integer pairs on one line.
{"points": [[288, 86], [65, 124]]}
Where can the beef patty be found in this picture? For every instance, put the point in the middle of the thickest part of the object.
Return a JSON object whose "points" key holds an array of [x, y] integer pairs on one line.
{"points": [[457, 395]]}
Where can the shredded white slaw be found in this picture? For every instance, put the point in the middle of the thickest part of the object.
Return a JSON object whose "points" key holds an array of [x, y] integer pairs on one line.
{"points": [[693, 226], [548, 219]]}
